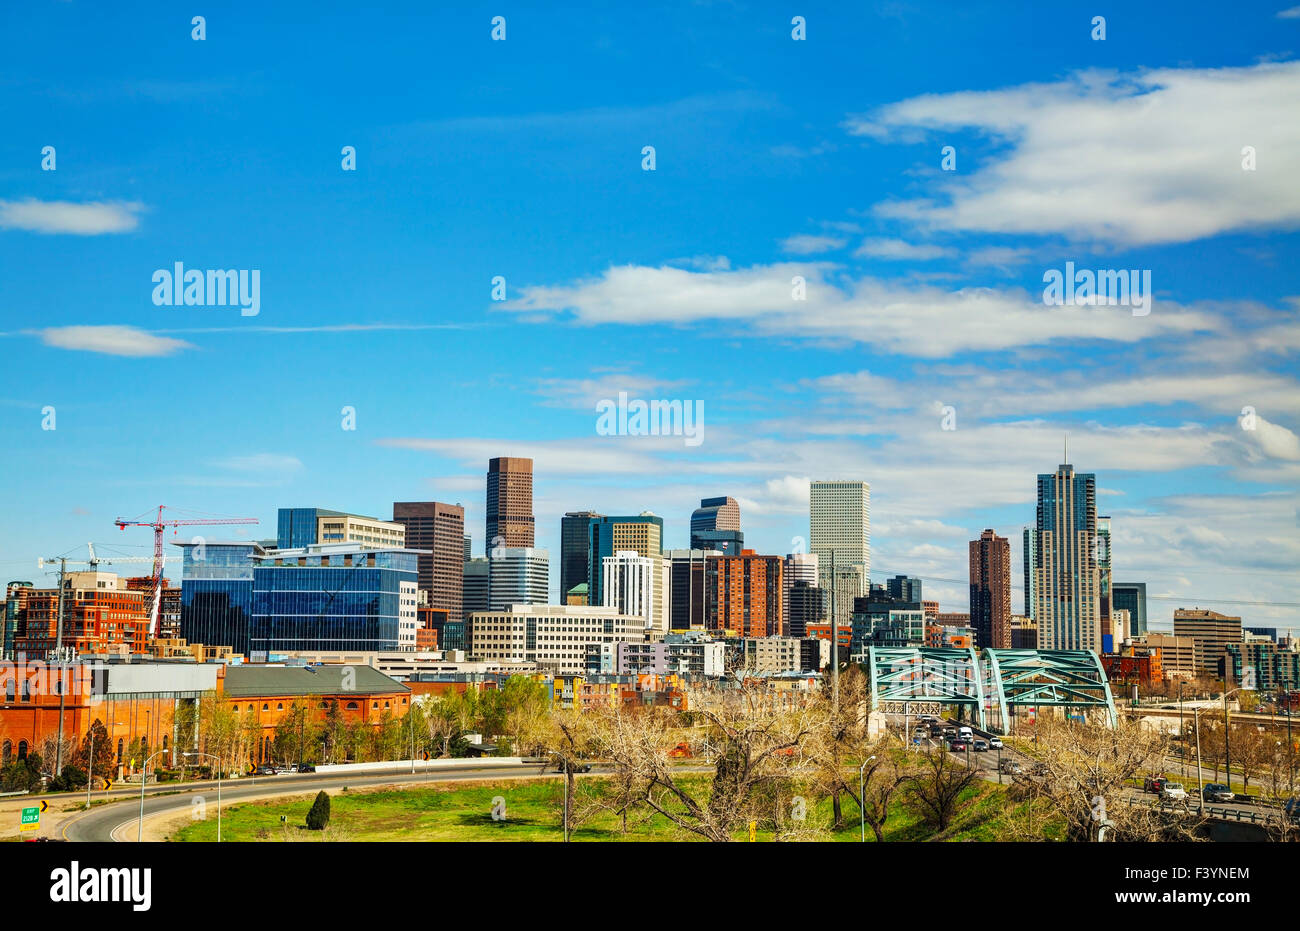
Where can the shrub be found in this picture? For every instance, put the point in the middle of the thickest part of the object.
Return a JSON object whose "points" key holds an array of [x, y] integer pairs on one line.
{"points": [[319, 816]]}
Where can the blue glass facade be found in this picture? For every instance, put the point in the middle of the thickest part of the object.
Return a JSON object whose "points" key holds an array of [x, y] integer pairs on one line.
{"points": [[329, 601], [296, 527], [727, 542], [217, 593]]}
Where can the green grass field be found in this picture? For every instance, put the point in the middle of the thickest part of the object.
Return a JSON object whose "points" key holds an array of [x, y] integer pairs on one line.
{"points": [[532, 813]]}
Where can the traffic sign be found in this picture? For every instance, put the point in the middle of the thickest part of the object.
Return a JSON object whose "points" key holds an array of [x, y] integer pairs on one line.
{"points": [[45, 806], [31, 819]]}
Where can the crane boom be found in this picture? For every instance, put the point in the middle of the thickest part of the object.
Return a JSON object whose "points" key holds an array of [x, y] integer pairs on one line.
{"points": [[158, 525]]}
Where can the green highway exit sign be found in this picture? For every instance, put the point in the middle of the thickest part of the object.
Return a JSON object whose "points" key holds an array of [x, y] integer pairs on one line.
{"points": [[31, 819]]}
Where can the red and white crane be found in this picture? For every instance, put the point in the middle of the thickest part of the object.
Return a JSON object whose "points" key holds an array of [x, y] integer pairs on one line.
{"points": [[158, 524]]}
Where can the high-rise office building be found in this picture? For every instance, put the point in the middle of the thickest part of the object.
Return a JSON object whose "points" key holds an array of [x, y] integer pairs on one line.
{"points": [[638, 587], [743, 595], [299, 527], [440, 530], [518, 575], [1132, 597], [1103, 573], [575, 560], [798, 567], [217, 592], [1067, 606], [333, 597], [475, 577], [840, 532], [715, 525], [642, 534], [509, 503], [468, 555], [1211, 632], [807, 608], [1029, 538], [686, 588], [904, 588], [990, 590]]}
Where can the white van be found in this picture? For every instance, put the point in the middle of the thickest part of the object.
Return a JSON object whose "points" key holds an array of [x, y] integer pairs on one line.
{"points": [[964, 733]]}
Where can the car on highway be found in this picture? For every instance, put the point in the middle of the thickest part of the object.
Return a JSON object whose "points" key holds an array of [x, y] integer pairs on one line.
{"points": [[266, 769], [950, 731], [957, 745], [980, 746], [1010, 767], [1217, 792], [995, 743], [936, 730], [1153, 784], [1173, 792]]}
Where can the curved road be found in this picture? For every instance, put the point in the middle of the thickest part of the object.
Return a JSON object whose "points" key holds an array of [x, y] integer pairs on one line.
{"points": [[110, 822]]}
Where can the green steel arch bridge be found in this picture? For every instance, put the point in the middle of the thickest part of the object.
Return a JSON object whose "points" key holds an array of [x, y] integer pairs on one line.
{"points": [[993, 685]]}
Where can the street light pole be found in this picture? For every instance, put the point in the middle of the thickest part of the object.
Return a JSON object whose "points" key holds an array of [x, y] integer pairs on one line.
{"points": [[862, 795], [1227, 755], [218, 768], [144, 777]]}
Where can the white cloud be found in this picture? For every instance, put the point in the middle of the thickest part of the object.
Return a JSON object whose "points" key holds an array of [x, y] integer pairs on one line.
{"points": [[898, 250], [892, 316], [1274, 440], [583, 393], [261, 462], [805, 244], [61, 216], [112, 340], [1290, 13], [1136, 158]]}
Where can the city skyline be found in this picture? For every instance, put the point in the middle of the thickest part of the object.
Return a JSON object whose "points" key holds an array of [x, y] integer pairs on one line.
{"points": [[922, 358]]}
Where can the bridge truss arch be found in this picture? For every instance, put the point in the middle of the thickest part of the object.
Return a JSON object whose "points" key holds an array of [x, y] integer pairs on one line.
{"points": [[993, 685]]}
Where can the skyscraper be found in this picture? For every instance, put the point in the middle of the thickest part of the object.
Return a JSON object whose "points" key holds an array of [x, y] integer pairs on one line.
{"points": [[1067, 606], [1131, 597], [990, 590], [440, 529], [1028, 558], [1103, 572], [637, 586], [715, 524], [840, 525], [509, 503], [575, 560], [518, 575], [642, 534], [798, 567], [686, 588], [742, 594]]}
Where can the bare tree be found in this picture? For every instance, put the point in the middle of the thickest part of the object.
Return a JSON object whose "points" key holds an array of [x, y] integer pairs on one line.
{"points": [[760, 737], [1085, 784], [936, 787]]}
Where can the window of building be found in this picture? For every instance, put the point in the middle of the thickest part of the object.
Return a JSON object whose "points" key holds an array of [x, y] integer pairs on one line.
{"points": [[279, 706], [6, 753], [9, 690], [22, 750], [352, 706]]}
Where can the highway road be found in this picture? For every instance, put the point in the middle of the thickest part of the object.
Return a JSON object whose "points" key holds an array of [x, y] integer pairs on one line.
{"points": [[118, 821]]}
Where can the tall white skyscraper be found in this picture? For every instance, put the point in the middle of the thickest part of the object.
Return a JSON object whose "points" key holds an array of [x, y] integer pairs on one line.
{"points": [[518, 575], [638, 586], [840, 524]]}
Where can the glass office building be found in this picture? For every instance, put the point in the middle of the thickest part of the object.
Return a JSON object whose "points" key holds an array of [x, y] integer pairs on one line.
{"points": [[217, 593], [1131, 597], [296, 527], [331, 598]]}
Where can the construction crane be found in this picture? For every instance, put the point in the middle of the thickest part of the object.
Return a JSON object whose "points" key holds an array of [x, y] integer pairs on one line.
{"points": [[158, 525]]}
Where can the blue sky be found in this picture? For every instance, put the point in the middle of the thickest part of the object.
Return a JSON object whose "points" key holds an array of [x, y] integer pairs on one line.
{"points": [[774, 158]]}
